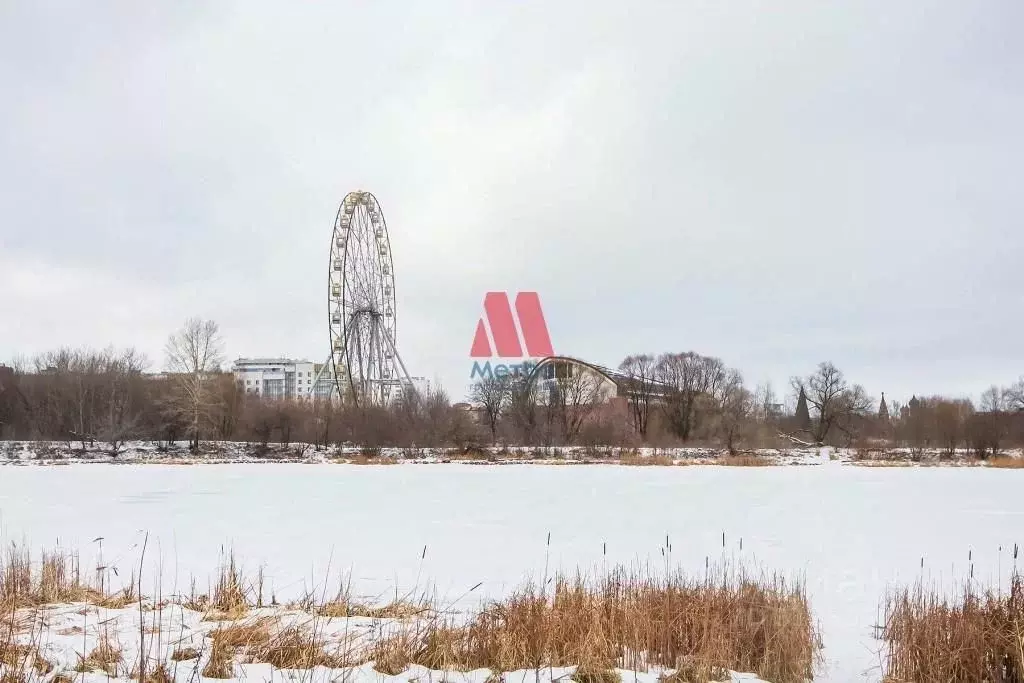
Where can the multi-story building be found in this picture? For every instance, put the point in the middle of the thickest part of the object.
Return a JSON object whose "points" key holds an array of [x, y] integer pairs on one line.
{"points": [[278, 378]]}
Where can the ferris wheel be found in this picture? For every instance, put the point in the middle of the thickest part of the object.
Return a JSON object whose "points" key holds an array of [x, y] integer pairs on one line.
{"points": [[364, 360]]}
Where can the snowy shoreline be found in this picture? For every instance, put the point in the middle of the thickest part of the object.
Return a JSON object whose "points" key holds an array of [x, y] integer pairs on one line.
{"points": [[230, 452], [62, 618]]}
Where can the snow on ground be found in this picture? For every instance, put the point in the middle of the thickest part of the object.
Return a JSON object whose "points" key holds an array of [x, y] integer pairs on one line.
{"points": [[852, 532], [79, 628], [60, 452]]}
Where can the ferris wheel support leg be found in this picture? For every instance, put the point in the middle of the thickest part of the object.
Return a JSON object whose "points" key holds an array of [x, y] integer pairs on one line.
{"points": [[316, 379], [398, 359]]}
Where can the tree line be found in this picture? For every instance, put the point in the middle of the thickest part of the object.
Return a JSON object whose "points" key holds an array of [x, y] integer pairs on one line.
{"points": [[84, 397], [88, 398], [688, 398]]}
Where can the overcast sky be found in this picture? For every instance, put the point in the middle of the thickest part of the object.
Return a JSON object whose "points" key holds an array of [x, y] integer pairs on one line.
{"points": [[773, 184]]}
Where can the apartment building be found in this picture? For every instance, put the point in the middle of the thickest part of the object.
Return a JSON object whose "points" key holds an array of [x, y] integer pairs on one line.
{"points": [[279, 378]]}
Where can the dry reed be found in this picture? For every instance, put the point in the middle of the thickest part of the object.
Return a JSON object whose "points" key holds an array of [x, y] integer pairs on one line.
{"points": [[184, 654], [1008, 462], [105, 657], [393, 655], [17, 657], [157, 674], [977, 637], [629, 620], [342, 607], [244, 635], [219, 665], [690, 671], [230, 600], [637, 460], [587, 675], [625, 619], [58, 580], [371, 460], [296, 648], [744, 461]]}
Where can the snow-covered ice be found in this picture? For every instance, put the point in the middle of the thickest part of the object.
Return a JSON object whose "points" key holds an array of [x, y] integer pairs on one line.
{"points": [[850, 531]]}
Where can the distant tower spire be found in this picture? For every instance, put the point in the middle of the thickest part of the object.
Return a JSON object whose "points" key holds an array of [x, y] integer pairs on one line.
{"points": [[883, 410], [803, 415]]}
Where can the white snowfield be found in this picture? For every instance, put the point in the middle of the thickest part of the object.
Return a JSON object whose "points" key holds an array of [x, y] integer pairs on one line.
{"points": [[851, 532]]}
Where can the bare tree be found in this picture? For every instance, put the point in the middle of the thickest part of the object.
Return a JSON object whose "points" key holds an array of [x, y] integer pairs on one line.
{"points": [[261, 418], [523, 410], [640, 386], [323, 417], [836, 404], [735, 405], [409, 414], [688, 378], [492, 394], [123, 395], [575, 394], [14, 407], [1014, 396], [52, 396], [988, 427], [194, 353], [951, 419], [284, 417], [994, 400], [85, 376], [764, 403], [438, 417], [229, 399]]}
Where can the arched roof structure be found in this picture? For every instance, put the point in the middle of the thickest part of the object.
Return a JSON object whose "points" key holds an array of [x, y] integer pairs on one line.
{"points": [[625, 385], [607, 373]]}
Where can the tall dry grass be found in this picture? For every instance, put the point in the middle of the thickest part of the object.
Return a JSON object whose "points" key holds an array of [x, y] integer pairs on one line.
{"points": [[401, 608], [21, 661], [298, 648], [744, 460], [977, 637], [105, 657], [230, 598], [627, 619], [57, 579], [637, 460], [263, 639], [220, 663], [1008, 462]]}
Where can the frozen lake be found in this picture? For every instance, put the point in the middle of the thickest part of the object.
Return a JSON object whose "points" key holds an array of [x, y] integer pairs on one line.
{"points": [[850, 531]]}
